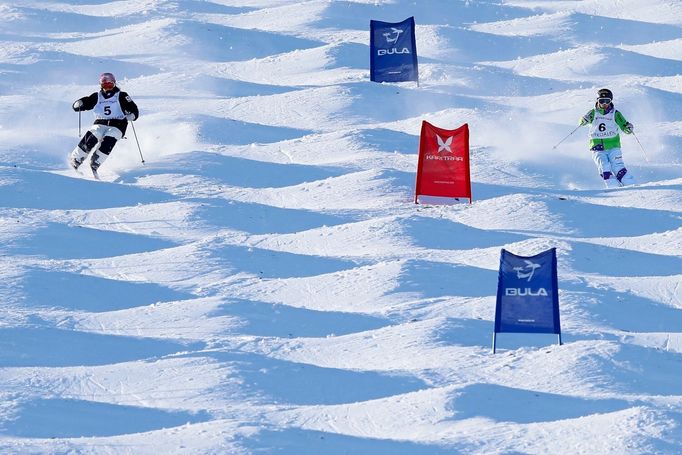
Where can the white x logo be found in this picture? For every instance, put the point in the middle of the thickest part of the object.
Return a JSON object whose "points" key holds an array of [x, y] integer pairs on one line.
{"points": [[444, 146]]}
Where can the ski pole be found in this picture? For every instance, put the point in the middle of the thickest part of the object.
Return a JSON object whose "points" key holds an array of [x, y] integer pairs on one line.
{"points": [[138, 142], [569, 135], [79, 123], [640, 146]]}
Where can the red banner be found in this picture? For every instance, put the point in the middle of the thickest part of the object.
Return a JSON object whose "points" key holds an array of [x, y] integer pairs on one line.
{"points": [[443, 168]]}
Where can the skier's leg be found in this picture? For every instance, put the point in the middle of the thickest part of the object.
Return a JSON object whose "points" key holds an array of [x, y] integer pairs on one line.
{"points": [[618, 167], [625, 177], [103, 152], [86, 144], [111, 137], [601, 159]]}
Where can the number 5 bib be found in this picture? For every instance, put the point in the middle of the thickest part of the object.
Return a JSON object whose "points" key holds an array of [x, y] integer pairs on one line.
{"points": [[108, 108]]}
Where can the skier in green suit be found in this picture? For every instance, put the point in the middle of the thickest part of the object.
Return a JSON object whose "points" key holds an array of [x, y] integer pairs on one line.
{"points": [[605, 122]]}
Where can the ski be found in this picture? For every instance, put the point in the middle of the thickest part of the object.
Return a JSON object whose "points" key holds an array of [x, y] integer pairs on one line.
{"points": [[82, 173], [612, 183]]}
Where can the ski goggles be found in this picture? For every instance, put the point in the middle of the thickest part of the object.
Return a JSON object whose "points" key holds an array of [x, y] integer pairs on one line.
{"points": [[604, 100]]}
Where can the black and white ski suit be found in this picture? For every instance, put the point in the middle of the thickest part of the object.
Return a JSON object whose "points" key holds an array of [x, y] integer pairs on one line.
{"points": [[113, 109]]}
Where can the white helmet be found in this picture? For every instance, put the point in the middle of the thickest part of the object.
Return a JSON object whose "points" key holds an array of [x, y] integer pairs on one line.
{"points": [[107, 81]]}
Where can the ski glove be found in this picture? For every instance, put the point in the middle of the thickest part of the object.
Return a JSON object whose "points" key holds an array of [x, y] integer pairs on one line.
{"points": [[629, 128], [130, 116], [77, 105], [584, 121]]}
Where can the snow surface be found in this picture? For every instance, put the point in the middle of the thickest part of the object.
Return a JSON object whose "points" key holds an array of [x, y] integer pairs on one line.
{"points": [[264, 283]]}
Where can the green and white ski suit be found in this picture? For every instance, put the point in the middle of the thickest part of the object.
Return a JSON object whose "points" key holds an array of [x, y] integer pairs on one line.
{"points": [[604, 135]]}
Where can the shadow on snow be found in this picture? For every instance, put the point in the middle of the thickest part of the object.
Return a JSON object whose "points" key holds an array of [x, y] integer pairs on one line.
{"points": [[274, 320], [611, 220], [220, 43], [284, 382], [73, 291], [610, 261], [50, 347], [69, 192], [300, 441], [260, 219], [443, 234], [70, 418], [239, 172], [277, 264], [235, 132], [506, 404], [436, 279], [59, 241]]}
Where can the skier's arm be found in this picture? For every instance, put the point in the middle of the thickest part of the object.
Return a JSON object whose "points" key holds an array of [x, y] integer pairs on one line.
{"points": [[86, 103], [623, 124], [587, 118], [128, 106]]}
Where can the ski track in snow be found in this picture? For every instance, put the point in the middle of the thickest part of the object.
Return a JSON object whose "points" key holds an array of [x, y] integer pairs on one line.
{"points": [[264, 282]]}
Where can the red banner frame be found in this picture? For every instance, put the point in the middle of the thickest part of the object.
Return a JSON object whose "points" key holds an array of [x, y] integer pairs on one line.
{"points": [[443, 169]]}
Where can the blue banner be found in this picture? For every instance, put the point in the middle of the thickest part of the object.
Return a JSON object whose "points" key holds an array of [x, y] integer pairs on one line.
{"points": [[528, 294], [393, 51]]}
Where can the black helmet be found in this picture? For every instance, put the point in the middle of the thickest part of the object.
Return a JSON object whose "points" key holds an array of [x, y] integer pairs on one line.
{"points": [[604, 98], [605, 93]]}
